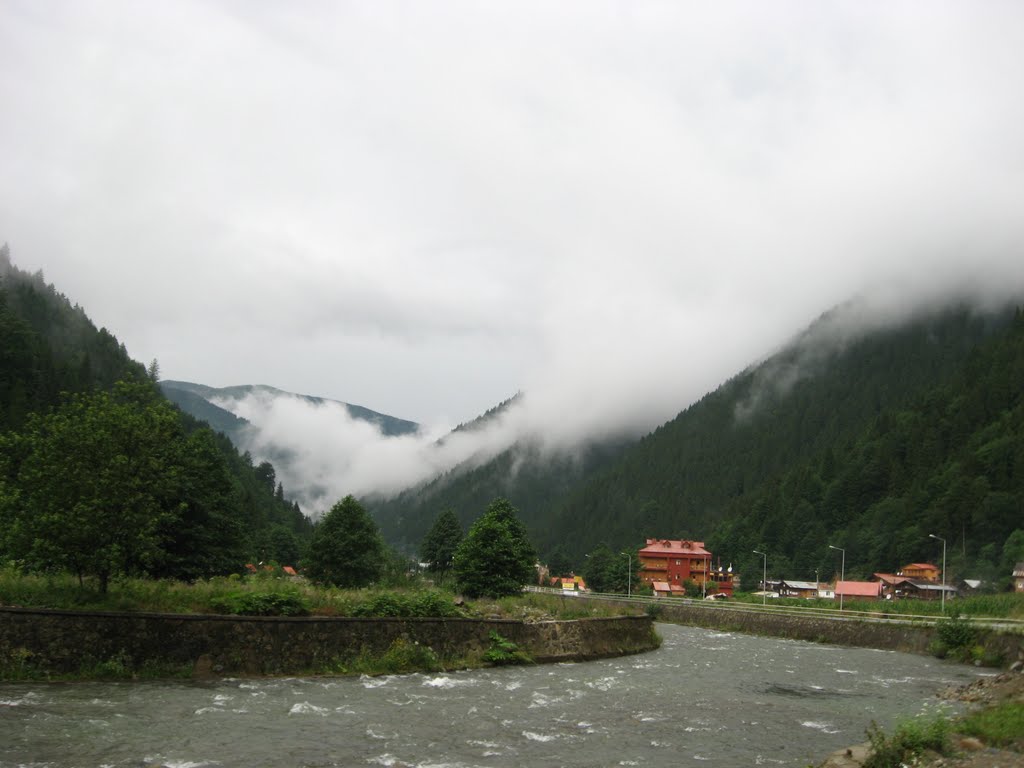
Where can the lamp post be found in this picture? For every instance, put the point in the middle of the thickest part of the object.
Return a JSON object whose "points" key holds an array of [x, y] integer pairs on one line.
{"points": [[764, 577], [933, 536], [842, 572], [629, 573]]}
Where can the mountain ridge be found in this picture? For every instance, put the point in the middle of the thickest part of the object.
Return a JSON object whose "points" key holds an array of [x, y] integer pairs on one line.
{"points": [[390, 426]]}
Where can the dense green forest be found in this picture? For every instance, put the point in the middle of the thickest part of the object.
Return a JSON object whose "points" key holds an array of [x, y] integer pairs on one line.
{"points": [[533, 479], [950, 463], [868, 441], [101, 475]]}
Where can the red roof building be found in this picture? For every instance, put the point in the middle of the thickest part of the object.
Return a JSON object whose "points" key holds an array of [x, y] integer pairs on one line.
{"points": [[672, 562], [867, 589]]}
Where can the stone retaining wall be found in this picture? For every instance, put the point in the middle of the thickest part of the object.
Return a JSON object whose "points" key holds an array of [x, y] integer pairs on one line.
{"points": [[62, 641], [851, 631]]}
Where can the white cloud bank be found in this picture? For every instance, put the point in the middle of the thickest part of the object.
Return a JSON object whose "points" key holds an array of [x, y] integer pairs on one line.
{"points": [[423, 208]]}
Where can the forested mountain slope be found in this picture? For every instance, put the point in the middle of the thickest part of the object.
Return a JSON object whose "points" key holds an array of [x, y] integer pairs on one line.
{"points": [[66, 386], [533, 479], [49, 346], [702, 474], [949, 462], [197, 406], [819, 393]]}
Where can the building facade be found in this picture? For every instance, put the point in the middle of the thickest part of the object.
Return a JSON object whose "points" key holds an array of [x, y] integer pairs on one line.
{"points": [[672, 562], [922, 571]]}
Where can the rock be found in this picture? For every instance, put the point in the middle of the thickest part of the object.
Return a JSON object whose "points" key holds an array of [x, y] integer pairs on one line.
{"points": [[970, 744], [1017, 666], [851, 757], [203, 667]]}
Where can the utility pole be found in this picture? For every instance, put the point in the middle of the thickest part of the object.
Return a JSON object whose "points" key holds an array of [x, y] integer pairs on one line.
{"points": [[629, 573], [764, 577], [933, 536], [842, 573]]}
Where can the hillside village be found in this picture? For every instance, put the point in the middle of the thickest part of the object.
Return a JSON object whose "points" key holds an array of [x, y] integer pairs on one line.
{"points": [[685, 568]]}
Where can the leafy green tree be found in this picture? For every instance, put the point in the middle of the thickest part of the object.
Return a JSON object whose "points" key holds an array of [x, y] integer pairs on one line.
{"points": [[287, 549], [266, 474], [559, 563], [203, 536], [346, 550], [96, 480], [439, 545], [609, 571], [496, 558], [400, 571], [599, 569]]}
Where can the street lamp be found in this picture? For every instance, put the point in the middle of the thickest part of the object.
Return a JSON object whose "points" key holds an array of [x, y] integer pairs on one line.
{"points": [[933, 536], [842, 573], [764, 577], [629, 573]]}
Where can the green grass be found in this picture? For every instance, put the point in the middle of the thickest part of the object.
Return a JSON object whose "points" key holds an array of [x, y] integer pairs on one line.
{"points": [[401, 658], [265, 594], [1002, 605], [910, 739], [1001, 725], [534, 606], [19, 665]]}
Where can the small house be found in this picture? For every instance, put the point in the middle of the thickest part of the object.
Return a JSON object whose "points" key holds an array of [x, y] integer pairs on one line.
{"points": [[804, 589], [863, 590], [570, 584], [923, 571], [927, 590]]}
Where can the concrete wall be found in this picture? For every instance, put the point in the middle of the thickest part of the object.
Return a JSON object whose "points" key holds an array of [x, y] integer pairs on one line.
{"points": [[840, 631], [61, 641]]}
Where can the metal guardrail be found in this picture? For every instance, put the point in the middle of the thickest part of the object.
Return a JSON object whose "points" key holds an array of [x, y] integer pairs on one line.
{"points": [[882, 617]]}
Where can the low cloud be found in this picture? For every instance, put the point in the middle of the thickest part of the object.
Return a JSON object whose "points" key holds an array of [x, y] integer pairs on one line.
{"points": [[423, 208], [321, 453]]}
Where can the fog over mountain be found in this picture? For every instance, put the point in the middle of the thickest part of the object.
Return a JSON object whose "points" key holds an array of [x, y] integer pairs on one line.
{"points": [[322, 451], [427, 208]]}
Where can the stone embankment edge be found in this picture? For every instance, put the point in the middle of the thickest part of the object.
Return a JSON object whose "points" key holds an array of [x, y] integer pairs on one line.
{"points": [[66, 641], [850, 631]]}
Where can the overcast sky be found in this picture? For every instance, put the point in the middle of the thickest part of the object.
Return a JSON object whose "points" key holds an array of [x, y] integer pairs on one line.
{"points": [[422, 208]]}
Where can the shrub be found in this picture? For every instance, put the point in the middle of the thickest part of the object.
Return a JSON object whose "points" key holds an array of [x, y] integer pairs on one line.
{"points": [[956, 631], [434, 604], [405, 656], [910, 739], [503, 652], [955, 638], [427, 604], [261, 604], [383, 604]]}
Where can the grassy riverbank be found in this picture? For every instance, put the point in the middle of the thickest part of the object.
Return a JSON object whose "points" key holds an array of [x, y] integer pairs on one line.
{"points": [[990, 733], [1004, 605], [270, 595], [273, 595]]}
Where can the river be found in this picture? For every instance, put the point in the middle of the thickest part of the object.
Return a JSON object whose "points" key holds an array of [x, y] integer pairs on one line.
{"points": [[705, 698]]}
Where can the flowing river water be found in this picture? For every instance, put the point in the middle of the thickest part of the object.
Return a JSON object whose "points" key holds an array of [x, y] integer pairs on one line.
{"points": [[705, 698]]}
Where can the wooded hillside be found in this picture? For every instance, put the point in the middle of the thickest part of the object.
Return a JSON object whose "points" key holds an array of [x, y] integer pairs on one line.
{"points": [[871, 440], [100, 474]]}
